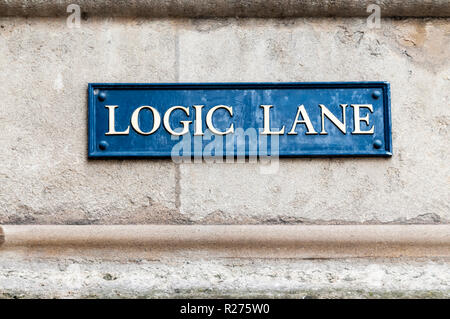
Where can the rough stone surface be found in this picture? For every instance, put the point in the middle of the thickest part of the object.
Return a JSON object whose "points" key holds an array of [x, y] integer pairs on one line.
{"points": [[347, 278], [228, 8], [46, 177]]}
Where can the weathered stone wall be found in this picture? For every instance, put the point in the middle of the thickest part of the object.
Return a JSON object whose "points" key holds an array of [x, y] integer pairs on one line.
{"points": [[46, 177], [218, 278], [227, 8]]}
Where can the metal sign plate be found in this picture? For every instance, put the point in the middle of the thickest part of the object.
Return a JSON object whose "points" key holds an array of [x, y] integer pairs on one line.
{"points": [[285, 119]]}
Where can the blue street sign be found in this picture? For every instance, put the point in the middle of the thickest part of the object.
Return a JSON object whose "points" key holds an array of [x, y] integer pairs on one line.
{"points": [[240, 119]]}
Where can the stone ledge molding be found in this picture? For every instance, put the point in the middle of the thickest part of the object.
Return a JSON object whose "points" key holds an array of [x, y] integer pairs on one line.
{"points": [[259, 241]]}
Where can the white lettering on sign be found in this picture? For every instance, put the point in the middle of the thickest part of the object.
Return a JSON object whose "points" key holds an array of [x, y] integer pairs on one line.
{"points": [[300, 118]]}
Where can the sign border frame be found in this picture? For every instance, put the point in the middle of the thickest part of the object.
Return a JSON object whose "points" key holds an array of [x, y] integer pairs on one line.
{"points": [[384, 86]]}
